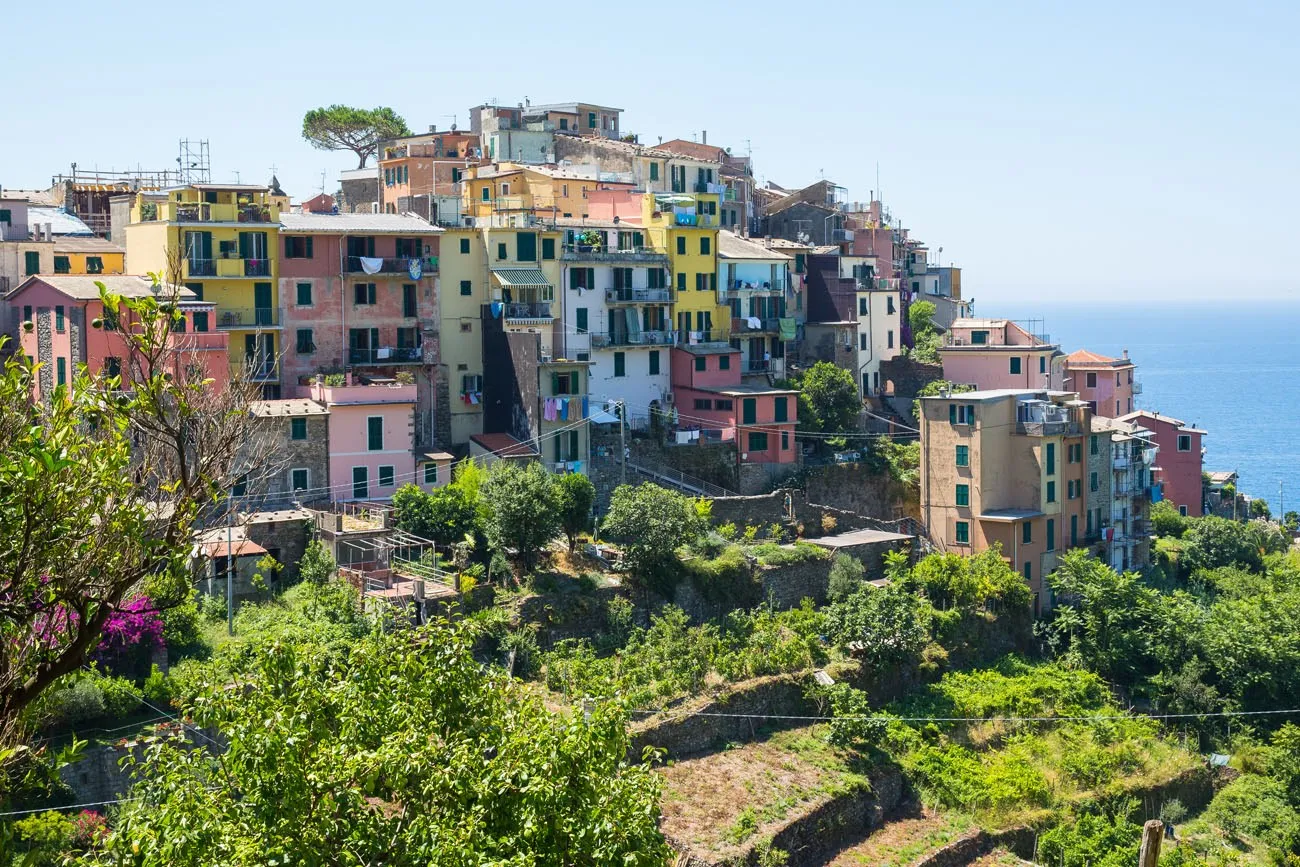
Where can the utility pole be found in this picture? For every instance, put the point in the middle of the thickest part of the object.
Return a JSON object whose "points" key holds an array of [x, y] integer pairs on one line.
{"points": [[622, 442], [230, 559], [1149, 855]]}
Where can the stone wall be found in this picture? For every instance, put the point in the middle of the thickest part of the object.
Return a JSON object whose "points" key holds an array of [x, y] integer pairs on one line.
{"points": [[689, 735], [905, 377], [976, 845], [286, 540], [815, 837], [858, 488]]}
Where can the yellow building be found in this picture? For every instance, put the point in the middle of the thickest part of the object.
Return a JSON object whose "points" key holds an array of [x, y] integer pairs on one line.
{"points": [[225, 240], [74, 254], [506, 187], [510, 272], [685, 226]]}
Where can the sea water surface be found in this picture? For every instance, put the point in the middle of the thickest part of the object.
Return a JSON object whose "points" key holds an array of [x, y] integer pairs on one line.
{"points": [[1231, 369]]}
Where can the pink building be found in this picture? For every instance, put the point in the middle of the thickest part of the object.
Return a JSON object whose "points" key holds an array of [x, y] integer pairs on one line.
{"points": [[1106, 383], [1180, 459], [997, 353], [360, 294], [709, 396], [371, 443], [61, 310]]}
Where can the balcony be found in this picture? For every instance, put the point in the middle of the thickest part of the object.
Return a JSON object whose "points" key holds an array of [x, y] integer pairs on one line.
{"points": [[248, 318], [388, 265], [384, 355], [1137, 387], [703, 221], [765, 325], [638, 296], [256, 371], [596, 253], [1121, 462], [743, 289], [207, 212], [227, 267], [602, 340], [536, 312]]}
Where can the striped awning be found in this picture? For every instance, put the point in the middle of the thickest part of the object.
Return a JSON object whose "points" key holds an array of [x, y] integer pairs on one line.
{"points": [[521, 278]]}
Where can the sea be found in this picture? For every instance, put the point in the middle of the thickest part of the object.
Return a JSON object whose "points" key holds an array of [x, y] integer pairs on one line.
{"points": [[1232, 369]]}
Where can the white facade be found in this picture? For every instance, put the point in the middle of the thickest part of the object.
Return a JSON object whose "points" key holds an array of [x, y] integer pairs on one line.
{"points": [[758, 292], [879, 314], [617, 315]]}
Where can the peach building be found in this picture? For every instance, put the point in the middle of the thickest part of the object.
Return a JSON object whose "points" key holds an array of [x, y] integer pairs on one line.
{"points": [[1000, 354], [370, 438], [1106, 383]]}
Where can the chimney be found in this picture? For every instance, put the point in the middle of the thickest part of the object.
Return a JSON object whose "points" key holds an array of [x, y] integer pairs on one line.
{"points": [[1126, 355], [433, 127], [704, 137]]}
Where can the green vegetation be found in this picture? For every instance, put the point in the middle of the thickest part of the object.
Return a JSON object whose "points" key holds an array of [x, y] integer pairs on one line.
{"points": [[345, 128], [925, 335], [828, 399], [651, 523]]}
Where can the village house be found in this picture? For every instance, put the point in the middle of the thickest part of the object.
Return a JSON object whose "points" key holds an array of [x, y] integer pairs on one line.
{"points": [[1180, 460], [1106, 383], [993, 354]]}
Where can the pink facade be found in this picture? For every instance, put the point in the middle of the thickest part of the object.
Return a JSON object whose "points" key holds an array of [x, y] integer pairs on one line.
{"points": [[371, 439], [710, 397], [62, 336], [604, 205], [1179, 459], [1106, 383], [997, 353]]}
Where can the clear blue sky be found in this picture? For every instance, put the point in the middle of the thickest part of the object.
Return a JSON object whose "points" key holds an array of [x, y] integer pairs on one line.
{"points": [[1051, 148]]}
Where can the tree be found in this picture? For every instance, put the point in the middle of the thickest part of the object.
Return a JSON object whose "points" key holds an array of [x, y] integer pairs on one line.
{"points": [[651, 523], [576, 497], [1259, 508], [344, 128], [100, 485], [925, 337], [1104, 617], [828, 399], [1211, 542], [445, 516], [881, 625], [524, 511], [1167, 521], [316, 565], [846, 577], [405, 751]]}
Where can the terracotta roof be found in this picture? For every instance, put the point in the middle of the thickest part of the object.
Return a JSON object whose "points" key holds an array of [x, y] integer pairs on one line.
{"points": [[504, 445], [242, 548], [1084, 358], [82, 287], [1167, 419]]}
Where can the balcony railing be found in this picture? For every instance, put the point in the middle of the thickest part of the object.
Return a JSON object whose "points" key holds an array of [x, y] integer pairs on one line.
{"points": [[596, 253], [524, 310], [600, 340], [699, 220], [201, 267], [250, 317], [638, 296], [207, 212], [742, 324], [389, 264], [758, 365], [386, 355], [1121, 463]]}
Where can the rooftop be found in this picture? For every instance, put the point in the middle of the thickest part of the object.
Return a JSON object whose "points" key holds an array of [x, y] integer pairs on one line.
{"points": [[569, 107], [504, 445], [1084, 358], [1009, 515], [285, 408], [61, 222], [78, 244], [745, 389], [1002, 393], [1167, 419], [732, 246], [84, 287], [707, 348], [858, 537], [357, 224]]}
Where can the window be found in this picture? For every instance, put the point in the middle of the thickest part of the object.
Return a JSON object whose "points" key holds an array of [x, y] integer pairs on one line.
{"points": [[304, 294], [298, 428], [363, 293], [465, 287], [431, 474], [582, 278], [297, 248], [979, 338], [1014, 364], [654, 171], [591, 120], [1091, 379], [785, 441], [620, 363], [526, 246], [889, 305], [758, 442], [467, 328], [749, 410], [1184, 442], [1029, 571], [723, 405], [375, 433], [1027, 533], [112, 366], [1051, 492], [6, 216], [581, 316], [1050, 458], [703, 403], [1093, 482], [200, 320], [963, 495], [681, 281], [298, 480], [701, 363], [702, 282], [654, 362], [1088, 527], [704, 246], [501, 250], [889, 339], [1051, 534], [59, 324], [1071, 492], [1182, 510], [681, 245], [32, 259], [799, 261], [305, 344], [408, 300], [62, 265], [862, 342], [548, 248], [963, 532], [240, 487], [724, 362], [963, 456], [62, 364], [386, 477], [961, 414], [781, 409], [1092, 444], [360, 483]]}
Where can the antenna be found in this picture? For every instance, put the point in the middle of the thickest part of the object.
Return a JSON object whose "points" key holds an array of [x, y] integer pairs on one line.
{"points": [[322, 182]]}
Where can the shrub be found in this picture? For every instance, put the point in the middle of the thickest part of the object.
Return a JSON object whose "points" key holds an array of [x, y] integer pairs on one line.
{"points": [[121, 697], [776, 554], [724, 578], [847, 577], [1166, 520], [1256, 807], [156, 688], [45, 838]]}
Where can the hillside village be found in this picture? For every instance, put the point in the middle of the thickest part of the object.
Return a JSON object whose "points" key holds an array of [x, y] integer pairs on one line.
{"points": [[754, 541]]}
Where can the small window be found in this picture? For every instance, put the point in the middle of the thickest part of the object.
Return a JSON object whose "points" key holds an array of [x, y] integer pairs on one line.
{"points": [[59, 324], [724, 362], [62, 265], [785, 441], [1042, 364], [1092, 444], [681, 245], [889, 305], [963, 495], [889, 339], [94, 265], [758, 442], [501, 250], [1014, 362], [464, 245], [963, 456], [963, 532], [654, 171], [1029, 571], [1182, 510], [1051, 534], [620, 364], [431, 474], [1051, 492], [681, 281], [297, 248], [580, 317], [1184, 442], [654, 362], [298, 428], [299, 479], [201, 320], [375, 433], [1050, 458], [465, 287], [32, 262], [749, 410], [408, 301], [704, 246], [799, 261], [304, 344], [363, 293], [701, 363], [62, 364], [979, 338], [386, 477], [781, 409], [1093, 482], [1027, 533], [548, 248], [360, 483], [526, 246], [1091, 379], [304, 294]]}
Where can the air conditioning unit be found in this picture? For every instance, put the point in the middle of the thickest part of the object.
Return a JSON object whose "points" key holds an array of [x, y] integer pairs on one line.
{"points": [[668, 398]]}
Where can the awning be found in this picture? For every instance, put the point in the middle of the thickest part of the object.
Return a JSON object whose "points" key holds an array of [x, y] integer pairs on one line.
{"points": [[602, 417], [521, 278]]}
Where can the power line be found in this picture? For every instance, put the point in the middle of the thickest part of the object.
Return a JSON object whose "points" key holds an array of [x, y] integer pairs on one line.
{"points": [[981, 719], [66, 807]]}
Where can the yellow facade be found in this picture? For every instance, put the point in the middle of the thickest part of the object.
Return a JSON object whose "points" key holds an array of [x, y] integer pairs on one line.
{"points": [[226, 241], [92, 261], [510, 187], [685, 226]]}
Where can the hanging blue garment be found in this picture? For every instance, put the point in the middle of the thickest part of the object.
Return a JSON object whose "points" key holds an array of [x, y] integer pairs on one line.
{"points": [[584, 407], [496, 309]]}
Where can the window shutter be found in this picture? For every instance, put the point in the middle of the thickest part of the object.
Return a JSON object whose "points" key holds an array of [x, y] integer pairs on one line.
{"points": [[573, 382], [559, 451], [573, 444], [309, 250], [555, 383], [952, 413]]}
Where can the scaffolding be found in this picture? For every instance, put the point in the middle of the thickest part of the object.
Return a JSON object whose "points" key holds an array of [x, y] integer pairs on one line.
{"points": [[193, 162]]}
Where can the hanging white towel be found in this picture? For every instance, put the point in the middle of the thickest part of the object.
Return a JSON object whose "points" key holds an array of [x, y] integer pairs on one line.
{"points": [[754, 322], [371, 266]]}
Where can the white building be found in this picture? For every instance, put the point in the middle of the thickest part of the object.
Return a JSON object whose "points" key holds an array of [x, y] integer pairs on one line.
{"points": [[878, 309], [617, 314], [1126, 526], [757, 284]]}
